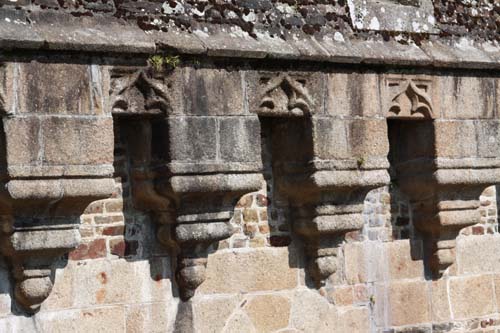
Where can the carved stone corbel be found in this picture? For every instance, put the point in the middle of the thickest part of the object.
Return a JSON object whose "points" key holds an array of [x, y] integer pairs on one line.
{"points": [[334, 207], [205, 204], [323, 178], [442, 180], [51, 168], [192, 203], [40, 221], [444, 199]]}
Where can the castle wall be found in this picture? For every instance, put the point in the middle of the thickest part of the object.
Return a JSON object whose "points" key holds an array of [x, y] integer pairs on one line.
{"points": [[250, 166]]}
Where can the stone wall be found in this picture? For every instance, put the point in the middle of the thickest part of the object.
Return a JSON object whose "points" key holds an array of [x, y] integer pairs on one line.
{"points": [[121, 277], [249, 166]]}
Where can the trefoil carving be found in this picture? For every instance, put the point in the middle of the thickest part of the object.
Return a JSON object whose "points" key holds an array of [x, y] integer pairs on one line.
{"points": [[285, 95], [412, 99], [134, 92]]}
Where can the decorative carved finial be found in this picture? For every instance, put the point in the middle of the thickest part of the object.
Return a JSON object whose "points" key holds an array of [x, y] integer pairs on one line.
{"points": [[411, 100], [137, 92], [284, 95]]}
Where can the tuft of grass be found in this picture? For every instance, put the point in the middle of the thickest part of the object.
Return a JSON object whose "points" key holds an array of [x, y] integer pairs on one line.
{"points": [[159, 62], [172, 60], [156, 62]]}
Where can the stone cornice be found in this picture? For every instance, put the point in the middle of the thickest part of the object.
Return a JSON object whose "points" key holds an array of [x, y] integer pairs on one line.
{"points": [[107, 35]]}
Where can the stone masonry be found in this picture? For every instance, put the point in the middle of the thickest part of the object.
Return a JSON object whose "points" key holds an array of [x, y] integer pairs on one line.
{"points": [[250, 166]]}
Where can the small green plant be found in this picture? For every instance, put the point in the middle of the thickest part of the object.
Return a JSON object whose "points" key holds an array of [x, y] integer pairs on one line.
{"points": [[156, 62], [372, 299], [159, 62], [172, 60], [360, 162]]}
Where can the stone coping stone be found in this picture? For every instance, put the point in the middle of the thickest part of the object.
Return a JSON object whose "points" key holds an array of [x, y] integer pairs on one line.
{"points": [[105, 35]]}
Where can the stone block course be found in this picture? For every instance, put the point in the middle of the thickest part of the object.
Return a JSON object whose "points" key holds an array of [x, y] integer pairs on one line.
{"points": [[300, 143], [405, 260], [148, 317], [193, 139], [352, 95], [472, 296], [408, 303], [471, 247], [208, 92], [268, 313], [72, 89], [213, 313], [440, 302], [365, 262], [470, 97], [446, 133], [88, 141], [244, 271], [237, 139]]}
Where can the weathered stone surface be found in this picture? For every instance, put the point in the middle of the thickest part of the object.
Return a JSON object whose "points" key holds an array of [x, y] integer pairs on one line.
{"points": [[469, 249], [364, 262], [343, 295], [150, 317], [115, 281], [472, 97], [352, 94], [472, 296], [213, 313], [23, 146], [87, 141], [208, 92], [105, 319], [353, 319], [237, 139], [239, 322], [414, 15], [268, 313], [408, 303], [73, 89], [245, 271], [356, 139], [193, 139], [488, 134], [32, 142], [309, 311], [440, 303], [405, 260]]}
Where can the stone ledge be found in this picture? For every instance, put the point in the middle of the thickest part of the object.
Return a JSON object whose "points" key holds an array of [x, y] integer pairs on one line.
{"points": [[93, 35], [62, 34]]}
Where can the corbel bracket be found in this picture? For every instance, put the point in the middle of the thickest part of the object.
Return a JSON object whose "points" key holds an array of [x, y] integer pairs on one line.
{"points": [[204, 206], [334, 207], [40, 220], [445, 199]]}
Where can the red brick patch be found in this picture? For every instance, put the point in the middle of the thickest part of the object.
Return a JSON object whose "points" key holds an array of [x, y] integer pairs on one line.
{"points": [[92, 250]]}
